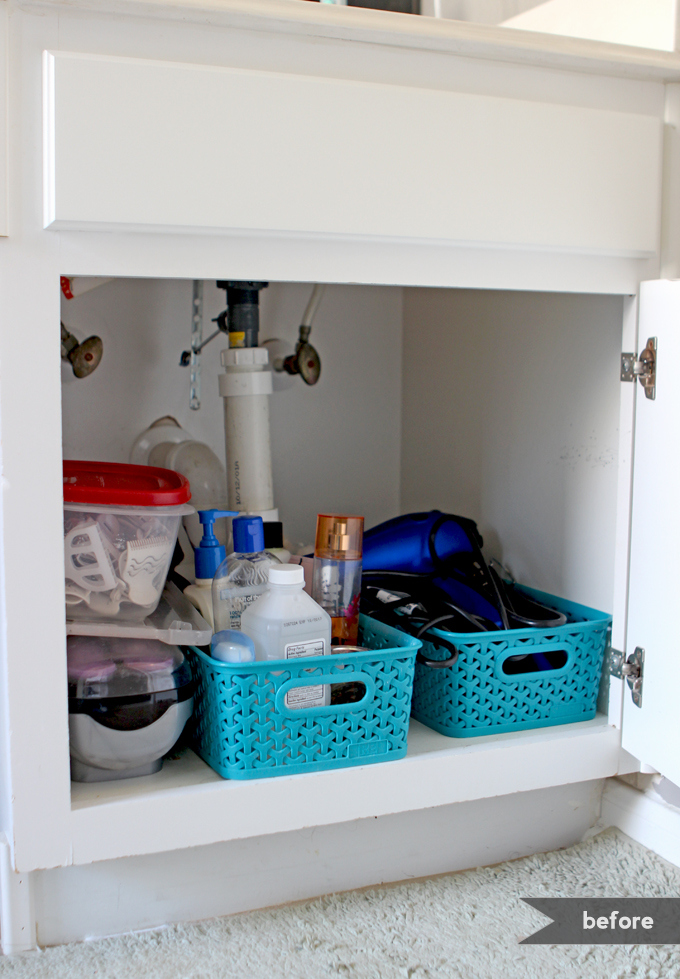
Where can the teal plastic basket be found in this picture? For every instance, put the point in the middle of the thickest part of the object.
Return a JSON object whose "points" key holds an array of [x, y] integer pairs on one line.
{"points": [[476, 697], [243, 729]]}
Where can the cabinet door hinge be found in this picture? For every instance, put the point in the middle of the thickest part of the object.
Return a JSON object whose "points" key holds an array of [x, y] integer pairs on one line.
{"points": [[644, 368], [631, 670]]}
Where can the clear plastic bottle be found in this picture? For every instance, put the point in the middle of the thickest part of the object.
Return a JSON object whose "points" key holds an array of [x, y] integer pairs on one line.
{"points": [[337, 573], [285, 623], [242, 576]]}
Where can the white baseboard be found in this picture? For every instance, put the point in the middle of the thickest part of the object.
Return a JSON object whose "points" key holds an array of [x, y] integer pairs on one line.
{"points": [[75, 903], [643, 816]]}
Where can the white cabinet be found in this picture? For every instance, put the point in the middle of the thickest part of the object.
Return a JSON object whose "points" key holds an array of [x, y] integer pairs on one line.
{"points": [[265, 140]]}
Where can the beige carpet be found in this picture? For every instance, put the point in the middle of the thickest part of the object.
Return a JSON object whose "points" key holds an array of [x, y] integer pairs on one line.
{"points": [[461, 926]]}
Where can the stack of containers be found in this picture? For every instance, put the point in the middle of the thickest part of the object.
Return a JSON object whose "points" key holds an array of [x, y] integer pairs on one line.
{"points": [[129, 686]]}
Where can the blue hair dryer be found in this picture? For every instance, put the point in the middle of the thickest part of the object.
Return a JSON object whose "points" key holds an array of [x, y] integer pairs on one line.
{"points": [[447, 549], [425, 543]]}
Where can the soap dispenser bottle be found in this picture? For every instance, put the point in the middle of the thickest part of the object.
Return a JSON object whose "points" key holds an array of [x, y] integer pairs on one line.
{"points": [[208, 556], [243, 576]]}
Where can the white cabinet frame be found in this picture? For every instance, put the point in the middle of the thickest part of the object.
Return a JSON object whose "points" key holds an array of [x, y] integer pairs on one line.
{"points": [[595, 91]]}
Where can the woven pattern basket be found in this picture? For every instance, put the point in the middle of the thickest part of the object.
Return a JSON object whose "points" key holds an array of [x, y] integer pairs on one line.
{"points": [[476, 696], [243, 729]]}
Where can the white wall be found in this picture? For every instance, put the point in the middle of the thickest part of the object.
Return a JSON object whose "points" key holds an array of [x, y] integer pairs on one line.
{"points": [[476, 11], [510, 416], [510, 410], [639, 23], [74, 903], [335, 446]]}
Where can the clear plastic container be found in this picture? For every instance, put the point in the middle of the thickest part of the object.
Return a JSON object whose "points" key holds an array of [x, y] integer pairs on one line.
{"points": [[285, 623], [120, 529], [243, 576], [175, 621]]}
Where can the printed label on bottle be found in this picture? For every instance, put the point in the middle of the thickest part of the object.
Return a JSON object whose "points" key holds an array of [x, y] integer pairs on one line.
{"points": [[237, 608], [235, 601], [312, 696]]}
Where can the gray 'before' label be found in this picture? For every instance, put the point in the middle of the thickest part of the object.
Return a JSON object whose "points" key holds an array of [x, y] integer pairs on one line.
{"points": [[607, 921], [311, 696]]}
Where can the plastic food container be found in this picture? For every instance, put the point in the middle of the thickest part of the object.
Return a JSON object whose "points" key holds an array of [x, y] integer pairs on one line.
{"points": [[120, 529], [128, 701], [175, 621]]}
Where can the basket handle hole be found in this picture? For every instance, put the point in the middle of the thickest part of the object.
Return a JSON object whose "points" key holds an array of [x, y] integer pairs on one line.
{"points": [[553, 659], [347, 693]]}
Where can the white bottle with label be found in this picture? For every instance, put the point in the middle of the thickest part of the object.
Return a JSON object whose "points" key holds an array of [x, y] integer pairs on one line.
{"points": [[286, 623]]}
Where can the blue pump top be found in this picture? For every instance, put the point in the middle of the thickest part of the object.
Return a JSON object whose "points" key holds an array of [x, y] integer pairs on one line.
{"points": [[210, 553], [248, 535]]}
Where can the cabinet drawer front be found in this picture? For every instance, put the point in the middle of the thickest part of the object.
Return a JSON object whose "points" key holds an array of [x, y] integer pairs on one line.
{"points": [[142, 145]]}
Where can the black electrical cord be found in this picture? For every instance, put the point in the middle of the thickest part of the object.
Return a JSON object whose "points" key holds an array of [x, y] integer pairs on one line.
{"points": [[418, 605], [413, 591], [478, 622], [532, 622], [446, 566], [395, 612], [503, 604]]}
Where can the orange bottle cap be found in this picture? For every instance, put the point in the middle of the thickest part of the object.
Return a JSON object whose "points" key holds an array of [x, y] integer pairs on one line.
{"points": [[339, 537]]}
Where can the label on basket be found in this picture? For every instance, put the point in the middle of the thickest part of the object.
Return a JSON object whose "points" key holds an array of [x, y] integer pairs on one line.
{"points": [[367, 748], [312, 696]]}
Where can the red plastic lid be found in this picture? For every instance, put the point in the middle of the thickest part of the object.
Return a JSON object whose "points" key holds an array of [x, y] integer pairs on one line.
{"points": [[118, 484]]}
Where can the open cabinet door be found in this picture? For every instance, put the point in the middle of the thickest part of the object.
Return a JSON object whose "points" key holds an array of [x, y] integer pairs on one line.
{"points": [[651, 731]]}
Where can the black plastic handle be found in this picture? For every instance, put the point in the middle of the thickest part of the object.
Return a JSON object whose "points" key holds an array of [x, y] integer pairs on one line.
{"points": [[436, 664]]}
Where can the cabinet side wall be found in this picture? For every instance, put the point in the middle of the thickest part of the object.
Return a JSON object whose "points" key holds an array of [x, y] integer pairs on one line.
{"points": [[335, 446], [511, 416]]}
